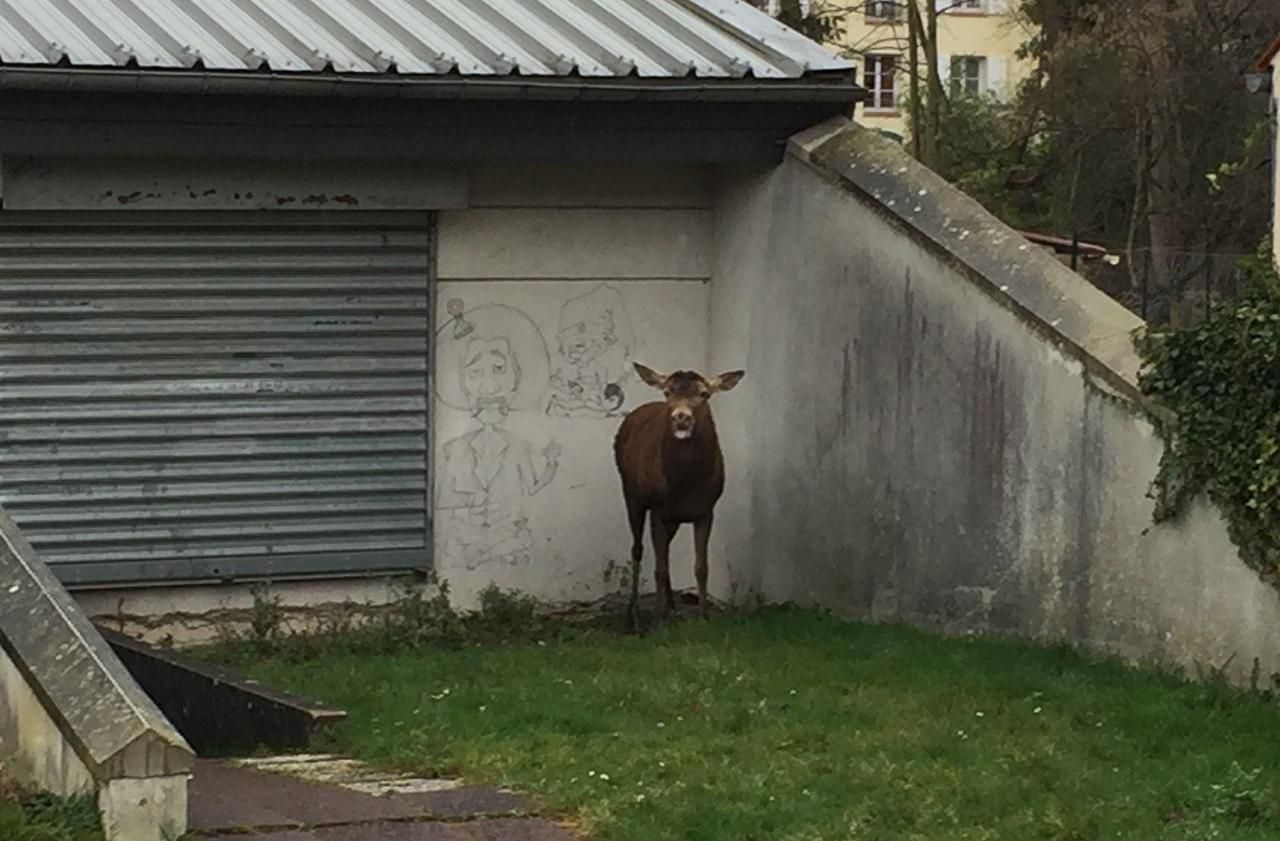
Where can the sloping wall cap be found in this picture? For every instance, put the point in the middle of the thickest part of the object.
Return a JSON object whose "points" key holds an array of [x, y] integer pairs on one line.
{"points": [[1013, 270], [106, 717]]}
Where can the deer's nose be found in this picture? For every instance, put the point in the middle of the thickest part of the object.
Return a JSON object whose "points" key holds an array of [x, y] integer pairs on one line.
{"points": [[682, 417]]}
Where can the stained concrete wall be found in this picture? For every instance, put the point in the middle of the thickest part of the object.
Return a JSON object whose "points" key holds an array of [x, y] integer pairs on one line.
{"points": [[32, 747], [194, 614], [939, 424], [42, 183]]}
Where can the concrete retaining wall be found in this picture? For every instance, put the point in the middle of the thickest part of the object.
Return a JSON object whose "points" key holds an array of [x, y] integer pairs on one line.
{"points": [[72, 720], [939, 424]]}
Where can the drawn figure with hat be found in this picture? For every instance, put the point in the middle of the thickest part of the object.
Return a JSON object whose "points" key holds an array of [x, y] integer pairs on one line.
{"points": [[596, 341], [490, 360]]}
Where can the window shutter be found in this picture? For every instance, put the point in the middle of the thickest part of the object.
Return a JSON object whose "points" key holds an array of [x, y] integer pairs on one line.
{"points": [[944, 70], [942, 5], [995, 77], [997, 7]]}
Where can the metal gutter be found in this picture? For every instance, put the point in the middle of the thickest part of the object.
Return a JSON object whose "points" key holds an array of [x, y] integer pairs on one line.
{"points": [[837, 87]]}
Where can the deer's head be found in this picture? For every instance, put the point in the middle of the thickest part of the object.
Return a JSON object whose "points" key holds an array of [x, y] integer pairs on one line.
{"points": [[687, 393]]}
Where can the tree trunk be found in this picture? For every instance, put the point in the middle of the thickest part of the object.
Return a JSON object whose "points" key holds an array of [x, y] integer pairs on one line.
{"points": [[1137, 286], [926, 116], [1162, 188], [913, 80], [935, 85]]}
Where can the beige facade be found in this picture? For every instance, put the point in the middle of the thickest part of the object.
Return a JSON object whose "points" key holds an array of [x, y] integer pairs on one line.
{"points": [[978, 42]]}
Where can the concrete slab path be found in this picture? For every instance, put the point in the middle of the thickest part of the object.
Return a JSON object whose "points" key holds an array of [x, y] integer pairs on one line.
{"points": [[328, 798]]}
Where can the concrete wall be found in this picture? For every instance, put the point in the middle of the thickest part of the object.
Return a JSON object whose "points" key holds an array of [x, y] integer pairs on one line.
{"points": [[939, 424], [569, 272], [31, 745], [572, 273], [193, 614], [129, 184]]}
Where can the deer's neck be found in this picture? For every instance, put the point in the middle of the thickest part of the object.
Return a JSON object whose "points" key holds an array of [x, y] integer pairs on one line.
{"points": [[700, 450]]}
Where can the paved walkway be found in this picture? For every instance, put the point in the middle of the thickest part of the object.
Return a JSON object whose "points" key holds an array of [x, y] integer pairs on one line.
{"points": [[328, 798]]}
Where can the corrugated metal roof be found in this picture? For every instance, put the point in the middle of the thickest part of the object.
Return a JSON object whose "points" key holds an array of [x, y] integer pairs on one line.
{"points": [[485, 38]]}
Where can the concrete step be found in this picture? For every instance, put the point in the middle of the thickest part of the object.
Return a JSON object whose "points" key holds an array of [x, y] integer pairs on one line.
{"points": [[331, 798]]}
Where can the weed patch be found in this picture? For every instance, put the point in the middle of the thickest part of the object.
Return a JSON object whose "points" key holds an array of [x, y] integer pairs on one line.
{"points": [[27, 816], [420, 615]]}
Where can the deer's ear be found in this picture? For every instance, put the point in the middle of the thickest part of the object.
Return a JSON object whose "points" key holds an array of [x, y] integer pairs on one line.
{"points": [[727, 381], [651, 376]]}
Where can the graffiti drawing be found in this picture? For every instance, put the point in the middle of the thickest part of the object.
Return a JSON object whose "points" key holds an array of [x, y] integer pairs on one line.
{"points": [[490, 361], [595, 341]]}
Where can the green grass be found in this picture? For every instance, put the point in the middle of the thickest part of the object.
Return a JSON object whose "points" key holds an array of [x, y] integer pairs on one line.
{"points": [[788, 724], [42, 817]]}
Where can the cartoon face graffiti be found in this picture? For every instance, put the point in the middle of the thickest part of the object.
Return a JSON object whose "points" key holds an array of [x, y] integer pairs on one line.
{"points": [[595, 341], [490, 375], [492, 360], [585, 341]]}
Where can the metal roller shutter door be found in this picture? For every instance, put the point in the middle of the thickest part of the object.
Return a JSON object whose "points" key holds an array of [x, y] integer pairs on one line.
{"points": [[211, 395]]}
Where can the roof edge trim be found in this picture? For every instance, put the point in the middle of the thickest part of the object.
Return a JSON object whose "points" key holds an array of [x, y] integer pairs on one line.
{"points": [[827, 87]]}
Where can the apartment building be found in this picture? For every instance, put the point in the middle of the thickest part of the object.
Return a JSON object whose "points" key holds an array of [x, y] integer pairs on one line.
{"points": [[978, 43]]}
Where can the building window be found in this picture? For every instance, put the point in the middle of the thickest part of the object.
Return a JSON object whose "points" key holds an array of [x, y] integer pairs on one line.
{"points": [[878, 78], [774, 7], [882, 10], [968, 73], [968, 5]]}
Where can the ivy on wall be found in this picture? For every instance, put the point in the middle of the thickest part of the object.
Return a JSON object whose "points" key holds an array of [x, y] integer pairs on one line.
{"points": [[1222, 379]]}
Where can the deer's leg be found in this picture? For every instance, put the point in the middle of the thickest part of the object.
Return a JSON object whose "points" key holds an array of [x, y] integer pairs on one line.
{"points": [[635, 515], [701, 536], [662, 532]]}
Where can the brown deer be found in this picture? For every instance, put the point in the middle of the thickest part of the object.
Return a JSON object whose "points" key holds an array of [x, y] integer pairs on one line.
{"points": [[672, 469]]}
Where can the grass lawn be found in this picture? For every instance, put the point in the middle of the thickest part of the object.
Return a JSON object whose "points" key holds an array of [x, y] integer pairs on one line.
{"points": [[789, 724]]}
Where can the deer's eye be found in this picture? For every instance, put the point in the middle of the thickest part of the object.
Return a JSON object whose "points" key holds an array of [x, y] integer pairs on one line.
{"points": [[706, 395]]}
